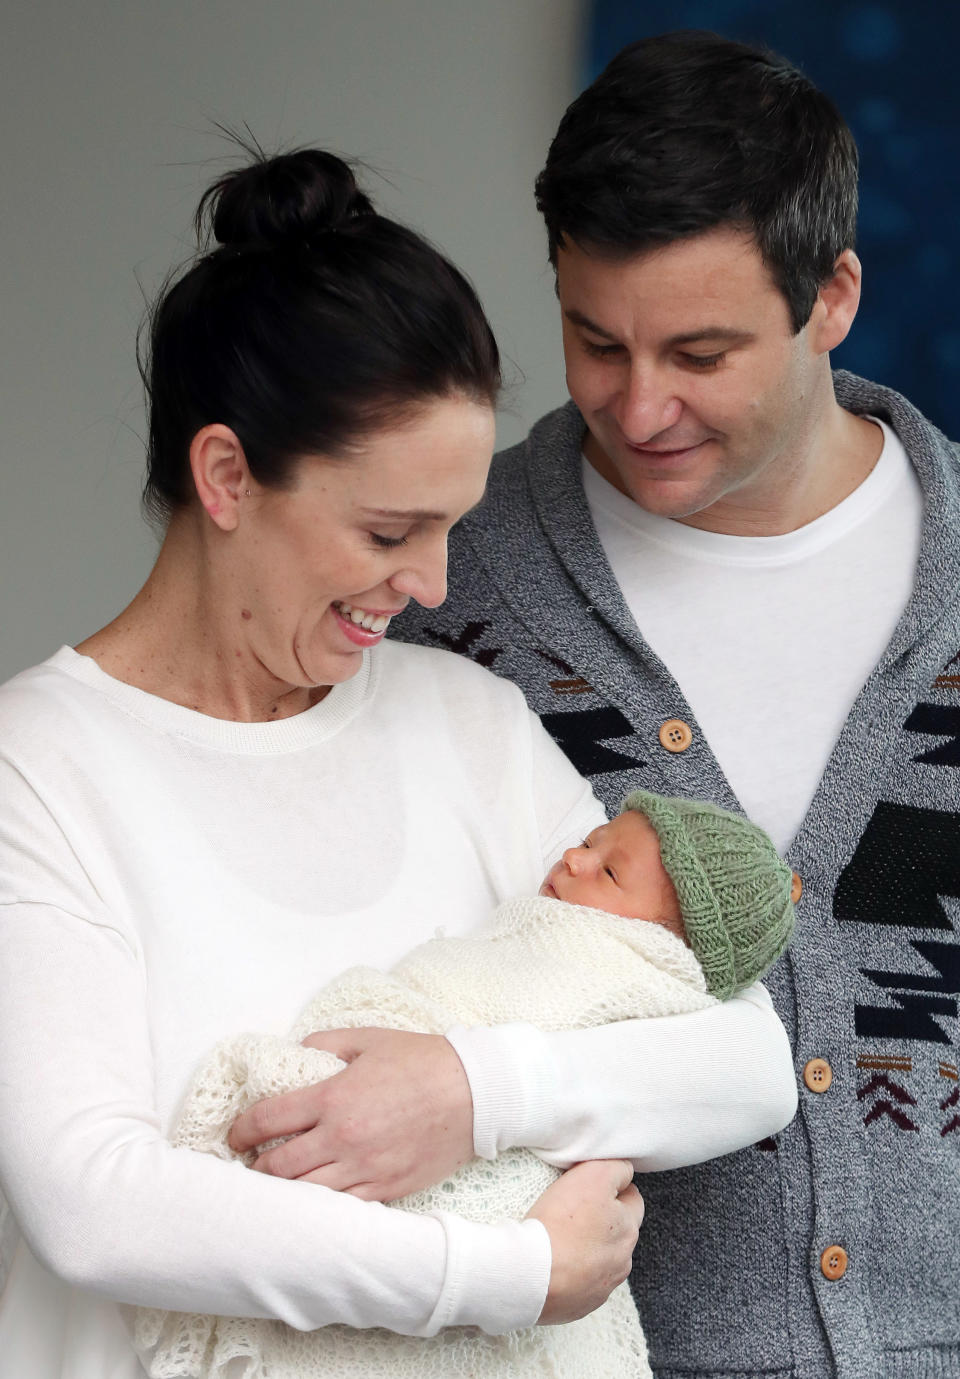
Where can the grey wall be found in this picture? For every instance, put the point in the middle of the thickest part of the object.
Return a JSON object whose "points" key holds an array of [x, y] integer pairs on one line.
{"points": [[108, 112]]}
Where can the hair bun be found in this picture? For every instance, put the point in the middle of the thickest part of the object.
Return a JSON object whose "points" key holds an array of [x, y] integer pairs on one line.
{"points": [[282, 200]]}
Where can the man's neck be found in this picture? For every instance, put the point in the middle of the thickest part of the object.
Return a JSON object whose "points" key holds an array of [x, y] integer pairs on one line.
{"points": [[838, 456], [823, 467]]}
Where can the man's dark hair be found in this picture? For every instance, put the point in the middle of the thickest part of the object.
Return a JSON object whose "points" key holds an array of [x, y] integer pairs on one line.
{"points": [[688, 131]]}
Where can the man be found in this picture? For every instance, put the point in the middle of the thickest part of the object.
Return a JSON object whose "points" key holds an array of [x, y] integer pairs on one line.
{"points": [[723, 571]]}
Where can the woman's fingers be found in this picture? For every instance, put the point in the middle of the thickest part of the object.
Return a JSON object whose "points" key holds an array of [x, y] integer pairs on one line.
{"points": [[592, 1214], [297, 1157], [396, 1118], [289, 1114]]}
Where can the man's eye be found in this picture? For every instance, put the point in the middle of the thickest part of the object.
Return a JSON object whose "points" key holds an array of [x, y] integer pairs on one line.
{"points": [[387, 542], [705, 361], [601, 351]]}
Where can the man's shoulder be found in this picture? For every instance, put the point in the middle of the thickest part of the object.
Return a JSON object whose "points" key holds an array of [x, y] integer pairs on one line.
{"points": [[551, 445], [921, 438]]}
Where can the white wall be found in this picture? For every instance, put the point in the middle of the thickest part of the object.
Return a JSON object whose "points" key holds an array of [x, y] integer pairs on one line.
{"points": [[107, 111]]}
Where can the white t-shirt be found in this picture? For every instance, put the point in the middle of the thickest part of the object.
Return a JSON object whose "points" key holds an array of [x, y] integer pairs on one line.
{"points": [[167, 879], [770, 638]]}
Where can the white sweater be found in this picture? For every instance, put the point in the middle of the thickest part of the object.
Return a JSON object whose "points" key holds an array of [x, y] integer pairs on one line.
{"points": [[561, 966], [143, 847]]}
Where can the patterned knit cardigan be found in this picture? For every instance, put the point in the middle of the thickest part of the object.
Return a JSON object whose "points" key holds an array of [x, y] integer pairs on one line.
{"points": [[554, 965]]}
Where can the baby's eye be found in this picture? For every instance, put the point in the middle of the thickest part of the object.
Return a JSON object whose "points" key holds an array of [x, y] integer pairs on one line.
{"points": [[610, 873]]}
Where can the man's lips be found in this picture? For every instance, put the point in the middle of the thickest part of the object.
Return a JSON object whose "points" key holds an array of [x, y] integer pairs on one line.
{"points": [[664, 454]]}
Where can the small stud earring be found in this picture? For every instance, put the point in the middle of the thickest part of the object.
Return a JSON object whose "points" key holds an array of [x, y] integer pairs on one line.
{"points": [[246, 493]]}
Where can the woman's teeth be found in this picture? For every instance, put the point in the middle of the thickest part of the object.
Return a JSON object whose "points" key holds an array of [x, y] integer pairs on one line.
{"points": [[370, 622]]}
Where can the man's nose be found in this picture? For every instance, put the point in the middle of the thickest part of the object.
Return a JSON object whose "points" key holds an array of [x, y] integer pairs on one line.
{"points": [[648, 404]]}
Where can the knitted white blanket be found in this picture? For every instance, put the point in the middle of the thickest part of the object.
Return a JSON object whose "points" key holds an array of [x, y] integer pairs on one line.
{"points": [[554, 965]]}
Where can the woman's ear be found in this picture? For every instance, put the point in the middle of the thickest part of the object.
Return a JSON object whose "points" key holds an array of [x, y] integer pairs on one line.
{"points": [[220, 473], [836, 304]]}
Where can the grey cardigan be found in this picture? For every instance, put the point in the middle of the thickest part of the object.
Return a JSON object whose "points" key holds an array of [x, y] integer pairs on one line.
{"points": [[730, 1274]]}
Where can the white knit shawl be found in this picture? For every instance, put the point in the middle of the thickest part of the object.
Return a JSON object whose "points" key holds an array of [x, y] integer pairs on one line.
{"points": [[553, 965]]}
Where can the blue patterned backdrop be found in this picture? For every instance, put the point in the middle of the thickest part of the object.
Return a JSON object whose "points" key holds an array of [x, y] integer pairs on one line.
{"points": [[892, 71]]}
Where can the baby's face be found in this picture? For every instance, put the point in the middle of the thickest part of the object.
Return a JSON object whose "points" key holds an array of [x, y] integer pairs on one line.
{"points": [[617, 868]]}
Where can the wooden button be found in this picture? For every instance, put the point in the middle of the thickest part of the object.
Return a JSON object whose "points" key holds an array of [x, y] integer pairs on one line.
{"points": [[833, 1262], [796, 889], [818, 1074], [675, 735]]}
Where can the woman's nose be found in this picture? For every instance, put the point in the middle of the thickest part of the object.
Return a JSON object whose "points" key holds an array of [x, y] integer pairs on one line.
{"points": [[426, 581]]}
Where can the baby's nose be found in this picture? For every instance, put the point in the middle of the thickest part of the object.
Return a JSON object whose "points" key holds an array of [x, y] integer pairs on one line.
{"points": [[573, 860]]}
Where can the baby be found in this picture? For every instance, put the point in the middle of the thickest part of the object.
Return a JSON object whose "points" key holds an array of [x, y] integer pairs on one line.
{"points": [[669, 907]]}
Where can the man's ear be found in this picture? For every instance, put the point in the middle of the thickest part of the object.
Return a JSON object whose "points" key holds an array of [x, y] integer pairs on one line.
{"points": [[836, 304], [220, 473]]}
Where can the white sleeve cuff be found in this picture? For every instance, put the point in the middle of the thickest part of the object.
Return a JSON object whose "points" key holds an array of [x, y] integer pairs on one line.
{"points": [[512, 1075], [663, 1092], [496, 1276]]}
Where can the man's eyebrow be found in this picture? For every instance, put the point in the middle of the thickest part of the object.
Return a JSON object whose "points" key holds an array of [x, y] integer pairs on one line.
{"points": [[577, 318], [722, 334]]}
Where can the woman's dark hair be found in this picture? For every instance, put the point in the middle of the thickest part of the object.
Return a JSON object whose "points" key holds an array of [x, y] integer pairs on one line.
{"points": [[313, 322], [688, 131]]}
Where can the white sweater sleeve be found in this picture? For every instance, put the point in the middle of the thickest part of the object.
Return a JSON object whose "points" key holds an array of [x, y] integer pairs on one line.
{"points": [[663, 1092], [107, 1204]]}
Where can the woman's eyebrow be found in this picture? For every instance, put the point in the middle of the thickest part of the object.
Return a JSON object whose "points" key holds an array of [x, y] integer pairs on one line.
{"points": [[405, 514]]}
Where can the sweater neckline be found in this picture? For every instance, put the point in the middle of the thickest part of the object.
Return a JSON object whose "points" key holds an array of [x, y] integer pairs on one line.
{"points": [[891, 468], [315, 725]]}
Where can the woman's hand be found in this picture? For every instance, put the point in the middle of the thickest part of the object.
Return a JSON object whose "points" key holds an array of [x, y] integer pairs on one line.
{"points": [[397, 1119], [592, 1214]]}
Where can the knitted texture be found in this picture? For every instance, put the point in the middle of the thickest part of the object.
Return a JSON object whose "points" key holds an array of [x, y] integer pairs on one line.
{"points": [[733, 889], [727, 1273], [558, 966]]}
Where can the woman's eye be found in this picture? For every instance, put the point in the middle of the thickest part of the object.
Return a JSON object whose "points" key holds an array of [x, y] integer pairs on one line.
{"points": [[387, 543]]}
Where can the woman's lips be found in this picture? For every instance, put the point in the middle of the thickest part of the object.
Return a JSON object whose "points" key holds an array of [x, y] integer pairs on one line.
{"points": [[360, 636]]}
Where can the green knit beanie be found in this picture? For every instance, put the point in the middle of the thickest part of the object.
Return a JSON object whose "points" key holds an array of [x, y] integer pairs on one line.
{"points": [[733, 889]]}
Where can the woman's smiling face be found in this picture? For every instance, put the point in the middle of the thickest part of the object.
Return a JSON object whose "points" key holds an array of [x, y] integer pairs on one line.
{"points": [[321, 567]]}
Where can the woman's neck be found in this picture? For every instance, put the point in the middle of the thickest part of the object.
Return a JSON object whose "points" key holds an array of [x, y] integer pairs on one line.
{"points": [[176, 640]]}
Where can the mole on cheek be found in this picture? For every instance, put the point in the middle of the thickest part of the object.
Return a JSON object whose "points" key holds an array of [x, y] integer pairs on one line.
{"points": [[246, 614]]}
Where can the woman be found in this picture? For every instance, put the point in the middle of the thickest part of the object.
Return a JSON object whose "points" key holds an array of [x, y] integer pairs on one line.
{"points": [[220, 800]]}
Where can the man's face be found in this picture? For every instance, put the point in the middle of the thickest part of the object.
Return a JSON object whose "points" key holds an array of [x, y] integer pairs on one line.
{"points": [[699, 400]]}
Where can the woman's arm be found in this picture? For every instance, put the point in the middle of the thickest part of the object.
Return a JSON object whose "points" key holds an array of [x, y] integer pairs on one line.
{"points": [[663, 1092], [656, 1091], [108, 1205]]}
